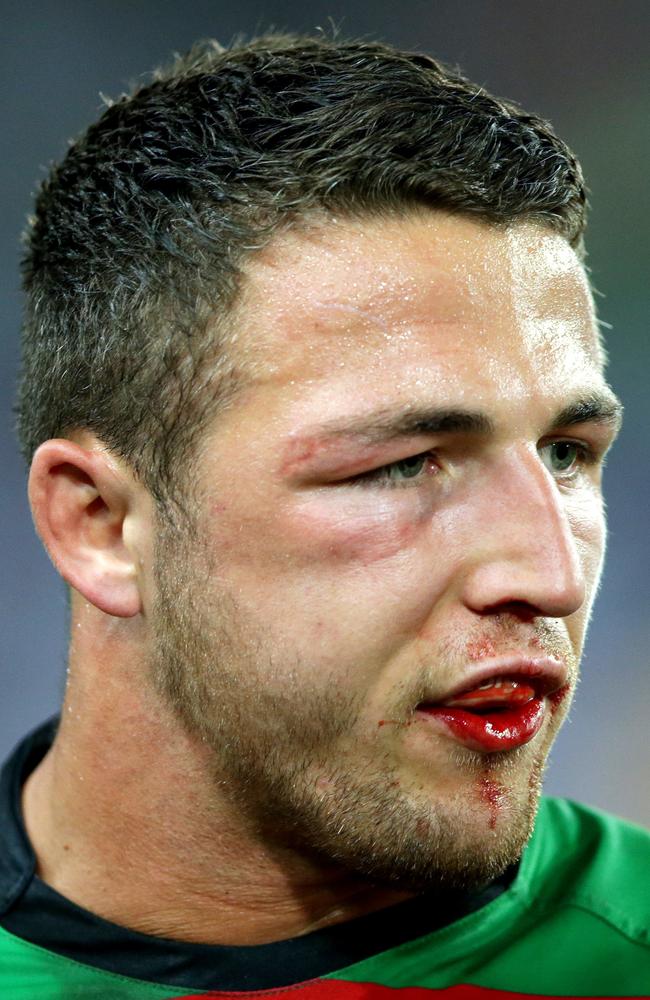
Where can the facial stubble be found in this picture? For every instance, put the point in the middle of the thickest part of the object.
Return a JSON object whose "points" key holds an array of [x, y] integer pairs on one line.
{"points": [[297, 762]]}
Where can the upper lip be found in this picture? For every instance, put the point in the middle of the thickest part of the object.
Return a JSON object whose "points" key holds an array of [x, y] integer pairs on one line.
{"points": [[545, 674]]}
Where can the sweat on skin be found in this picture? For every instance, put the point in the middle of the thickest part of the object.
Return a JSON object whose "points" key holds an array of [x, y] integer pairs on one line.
{"points": [[405, 491]]}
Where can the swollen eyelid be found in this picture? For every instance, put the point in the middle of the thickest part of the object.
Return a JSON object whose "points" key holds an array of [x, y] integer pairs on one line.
{"points": [[404, 472]]}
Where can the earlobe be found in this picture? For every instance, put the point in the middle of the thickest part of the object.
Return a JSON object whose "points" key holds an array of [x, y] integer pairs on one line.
{"points": [[80, 499]]}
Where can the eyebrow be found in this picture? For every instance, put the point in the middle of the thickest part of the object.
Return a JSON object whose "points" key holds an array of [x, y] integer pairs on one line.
{"points": [[592, 407]]}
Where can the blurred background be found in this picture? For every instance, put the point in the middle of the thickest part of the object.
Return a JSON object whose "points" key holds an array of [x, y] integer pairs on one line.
{"points": [[583, 64]]}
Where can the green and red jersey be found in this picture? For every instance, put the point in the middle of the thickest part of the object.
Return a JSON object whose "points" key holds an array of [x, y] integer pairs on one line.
{"points": [[572, 921]]}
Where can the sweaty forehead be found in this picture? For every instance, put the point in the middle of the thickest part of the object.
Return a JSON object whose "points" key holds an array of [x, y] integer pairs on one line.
{"points": [[345, 286]]}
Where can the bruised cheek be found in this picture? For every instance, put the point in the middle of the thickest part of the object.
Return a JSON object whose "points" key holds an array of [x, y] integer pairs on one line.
{"points": [[348, 535], [319, 531]]}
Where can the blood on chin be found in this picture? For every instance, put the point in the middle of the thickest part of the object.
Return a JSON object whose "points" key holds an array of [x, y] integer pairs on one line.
{"points": [[490, 791]]}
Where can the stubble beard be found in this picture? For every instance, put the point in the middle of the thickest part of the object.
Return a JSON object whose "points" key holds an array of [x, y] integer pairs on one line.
{"points": [[287, 754]]}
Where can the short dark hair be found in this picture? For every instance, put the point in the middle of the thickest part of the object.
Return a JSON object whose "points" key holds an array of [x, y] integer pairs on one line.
{"points": [[134, 250]]}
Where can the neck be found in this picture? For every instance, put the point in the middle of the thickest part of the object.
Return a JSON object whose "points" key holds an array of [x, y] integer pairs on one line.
{"points": [[127, 821]]}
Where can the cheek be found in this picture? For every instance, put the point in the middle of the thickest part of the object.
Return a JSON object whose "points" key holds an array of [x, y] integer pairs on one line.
{"points": [[380, 569], [587, 520], [343, 577], [359, 531], [324, 529]]}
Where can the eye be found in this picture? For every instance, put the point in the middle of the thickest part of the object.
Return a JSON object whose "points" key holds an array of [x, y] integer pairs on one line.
{"points": [[400, 473], [407, 468], [564, 458]]}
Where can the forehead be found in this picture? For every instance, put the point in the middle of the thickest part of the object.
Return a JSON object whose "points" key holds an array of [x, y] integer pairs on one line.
{"points": [[412, 299]]}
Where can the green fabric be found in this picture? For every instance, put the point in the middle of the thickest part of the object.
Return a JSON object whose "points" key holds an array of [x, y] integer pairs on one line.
{"points": [[28, 972], [576, 922]]}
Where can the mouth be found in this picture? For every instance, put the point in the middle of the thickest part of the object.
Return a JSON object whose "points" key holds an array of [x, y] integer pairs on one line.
{"points": [[504, 706]]}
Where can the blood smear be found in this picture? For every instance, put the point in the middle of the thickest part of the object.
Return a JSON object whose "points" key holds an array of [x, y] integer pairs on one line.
{"points": [[493, 794]]}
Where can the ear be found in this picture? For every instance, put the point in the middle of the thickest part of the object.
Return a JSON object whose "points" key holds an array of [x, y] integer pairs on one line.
{"points": [[81, 500]]}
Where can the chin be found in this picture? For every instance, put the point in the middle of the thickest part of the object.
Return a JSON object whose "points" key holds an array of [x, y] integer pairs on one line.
{"points": [[456, 834], [449, 849]]}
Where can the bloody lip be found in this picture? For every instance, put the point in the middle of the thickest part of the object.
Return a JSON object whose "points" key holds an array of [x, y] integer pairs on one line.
{"points": [[501, 729]]}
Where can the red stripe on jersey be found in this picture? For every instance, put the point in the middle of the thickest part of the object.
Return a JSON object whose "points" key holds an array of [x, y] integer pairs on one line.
{"points": [[341, 989]]}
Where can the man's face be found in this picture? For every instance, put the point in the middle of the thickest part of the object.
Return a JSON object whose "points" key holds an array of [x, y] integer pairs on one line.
{"points": [[395, 510]]}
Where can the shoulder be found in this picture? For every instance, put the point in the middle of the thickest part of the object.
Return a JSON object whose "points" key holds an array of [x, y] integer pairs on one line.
{"points": [[586, 860]]}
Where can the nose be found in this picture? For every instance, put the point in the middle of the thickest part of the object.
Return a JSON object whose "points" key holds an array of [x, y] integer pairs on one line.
{"points": [[525, 555]]}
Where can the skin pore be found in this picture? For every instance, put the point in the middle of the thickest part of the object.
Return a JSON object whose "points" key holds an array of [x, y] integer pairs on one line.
{"points": [[407, 486]]}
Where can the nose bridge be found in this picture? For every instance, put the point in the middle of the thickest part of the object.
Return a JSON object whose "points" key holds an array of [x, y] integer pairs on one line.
{"points": [[528, 553]]}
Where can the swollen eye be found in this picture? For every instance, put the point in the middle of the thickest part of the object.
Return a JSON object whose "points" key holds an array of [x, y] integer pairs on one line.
{"points": [[407, 468]]}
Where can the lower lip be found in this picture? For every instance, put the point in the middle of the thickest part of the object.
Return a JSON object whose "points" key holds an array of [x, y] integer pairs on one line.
{"points": [[492, 731]]}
